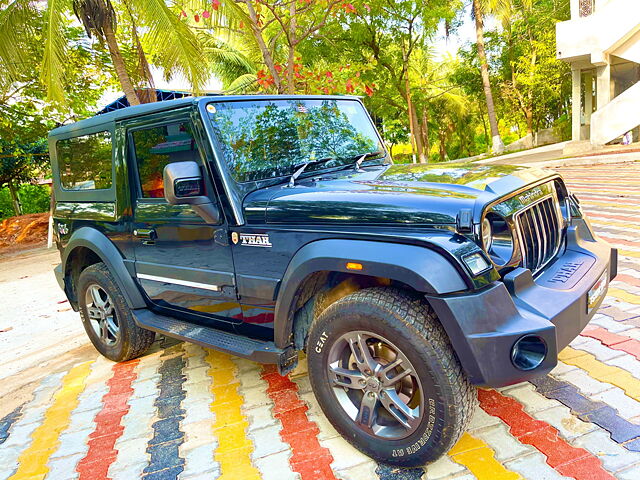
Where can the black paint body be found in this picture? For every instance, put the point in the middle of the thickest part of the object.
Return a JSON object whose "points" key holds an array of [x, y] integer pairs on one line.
{"points": [[401, 222]]}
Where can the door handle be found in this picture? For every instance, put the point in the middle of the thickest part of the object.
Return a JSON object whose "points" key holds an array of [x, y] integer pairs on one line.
{"points": [[145, 233]]}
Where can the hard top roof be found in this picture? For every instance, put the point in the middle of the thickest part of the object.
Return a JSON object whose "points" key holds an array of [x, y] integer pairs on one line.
{"points": [[106, 119]]}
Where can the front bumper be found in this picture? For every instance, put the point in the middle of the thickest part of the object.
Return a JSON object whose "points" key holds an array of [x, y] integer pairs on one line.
{"points": [[484, 326]]}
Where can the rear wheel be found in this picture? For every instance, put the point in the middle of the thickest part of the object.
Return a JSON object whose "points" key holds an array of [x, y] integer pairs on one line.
{"points": [[107, 318], [386, 376]]}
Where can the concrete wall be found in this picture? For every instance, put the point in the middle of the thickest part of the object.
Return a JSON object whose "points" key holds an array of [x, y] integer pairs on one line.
{"points": [[547, 136], [617, 117], [601, 33]]}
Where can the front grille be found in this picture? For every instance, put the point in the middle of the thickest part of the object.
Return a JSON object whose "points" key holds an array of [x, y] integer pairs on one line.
{"points": [[539, 232]]}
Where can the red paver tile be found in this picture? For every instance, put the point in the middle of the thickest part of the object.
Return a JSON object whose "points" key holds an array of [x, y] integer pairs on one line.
{"points": [[101, 454], [543, 437], [309, 458]]}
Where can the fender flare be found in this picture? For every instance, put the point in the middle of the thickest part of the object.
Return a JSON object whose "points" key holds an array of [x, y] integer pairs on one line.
{"points": [[425, 270], [97, 242]]}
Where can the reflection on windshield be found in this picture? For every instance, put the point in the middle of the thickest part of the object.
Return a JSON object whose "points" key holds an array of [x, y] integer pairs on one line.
{"points": [[267, 138]]}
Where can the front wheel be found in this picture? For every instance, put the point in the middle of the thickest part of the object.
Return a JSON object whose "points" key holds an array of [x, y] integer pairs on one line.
{"points": [[386, 376]]}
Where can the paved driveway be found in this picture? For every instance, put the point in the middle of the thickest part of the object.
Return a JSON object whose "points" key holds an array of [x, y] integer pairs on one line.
{"points": [[182, 411]]}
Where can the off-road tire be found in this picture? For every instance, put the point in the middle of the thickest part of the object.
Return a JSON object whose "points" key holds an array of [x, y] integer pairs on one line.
{"points": [[132, 340], [414, 326]]}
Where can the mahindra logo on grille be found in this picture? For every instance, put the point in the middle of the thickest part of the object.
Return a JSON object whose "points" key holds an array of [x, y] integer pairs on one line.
{"points": [[531, 195]]}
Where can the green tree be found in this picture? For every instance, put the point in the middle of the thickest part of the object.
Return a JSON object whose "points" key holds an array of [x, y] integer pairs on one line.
{"points": [[20, 163], [170, 41], [535, 82], [502, 10], [387, 42], [25, 115]]}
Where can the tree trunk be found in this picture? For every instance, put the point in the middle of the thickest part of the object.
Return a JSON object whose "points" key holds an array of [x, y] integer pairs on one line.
{"points": [[119, 66], [416, 141], [417, 129], [528, 116], [15, 199], [264, 50], [497, 145], [149, 95], [425, 132], [291, 84]]}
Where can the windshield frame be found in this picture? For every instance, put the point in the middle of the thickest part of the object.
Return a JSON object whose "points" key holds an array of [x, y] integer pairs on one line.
{"points": [[382, 158]]}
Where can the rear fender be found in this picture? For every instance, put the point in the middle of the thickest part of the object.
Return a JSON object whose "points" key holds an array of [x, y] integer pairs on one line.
{"points": [[103, 247]]}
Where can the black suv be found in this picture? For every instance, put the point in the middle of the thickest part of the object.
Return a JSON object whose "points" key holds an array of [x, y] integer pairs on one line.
{"points": [[266, 226]]}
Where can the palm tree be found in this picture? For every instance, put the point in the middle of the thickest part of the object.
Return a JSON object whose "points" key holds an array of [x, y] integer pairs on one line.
{"points": [[479, 6], [174, 45], [99, 19], [503, 11]]}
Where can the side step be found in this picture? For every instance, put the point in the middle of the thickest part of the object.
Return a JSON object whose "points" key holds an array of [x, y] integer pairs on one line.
{"points": [[241, 346]]}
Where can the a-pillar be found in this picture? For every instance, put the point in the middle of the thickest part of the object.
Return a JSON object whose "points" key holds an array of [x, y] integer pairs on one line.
{"points": [[576, 104]]}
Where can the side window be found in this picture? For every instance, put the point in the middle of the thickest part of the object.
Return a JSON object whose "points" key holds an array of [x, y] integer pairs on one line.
{"points": [[158, 146], [85, 163]]}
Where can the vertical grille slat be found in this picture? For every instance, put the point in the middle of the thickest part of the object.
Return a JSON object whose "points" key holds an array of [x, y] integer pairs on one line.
{"points": [[539, 232]]}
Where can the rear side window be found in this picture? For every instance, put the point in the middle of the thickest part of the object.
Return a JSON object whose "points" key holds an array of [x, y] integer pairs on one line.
{"points": [[158, 146], [85, 162]]}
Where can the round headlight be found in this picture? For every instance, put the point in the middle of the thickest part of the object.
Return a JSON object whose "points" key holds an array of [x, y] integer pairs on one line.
{"points": [[487, 234], [497, 239]]}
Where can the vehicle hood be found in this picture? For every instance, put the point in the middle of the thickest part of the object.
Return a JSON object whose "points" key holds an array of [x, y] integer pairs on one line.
{"points": [[408, 194]]}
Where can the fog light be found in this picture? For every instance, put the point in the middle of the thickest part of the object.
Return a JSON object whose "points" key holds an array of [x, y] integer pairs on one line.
{"points": [[528, 352]]}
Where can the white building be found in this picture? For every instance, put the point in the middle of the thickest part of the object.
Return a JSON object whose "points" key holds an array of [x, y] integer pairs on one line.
{"points": [[602, 44]]}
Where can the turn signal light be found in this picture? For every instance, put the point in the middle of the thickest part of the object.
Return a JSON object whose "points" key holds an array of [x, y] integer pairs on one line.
{"points": [[354, 266]]}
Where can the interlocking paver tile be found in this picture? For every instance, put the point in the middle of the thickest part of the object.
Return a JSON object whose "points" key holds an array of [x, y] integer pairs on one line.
{"points": [[197, 414]]}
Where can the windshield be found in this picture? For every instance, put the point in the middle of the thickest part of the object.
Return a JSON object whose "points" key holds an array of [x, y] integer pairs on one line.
{"points": [[263, 139]]}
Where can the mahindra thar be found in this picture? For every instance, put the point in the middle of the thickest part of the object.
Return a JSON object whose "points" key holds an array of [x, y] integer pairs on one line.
{"points": [[267, 226]]}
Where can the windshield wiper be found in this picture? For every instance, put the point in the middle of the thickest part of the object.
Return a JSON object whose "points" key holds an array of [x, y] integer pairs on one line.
{"points": [[363, 157], [302, 167]]}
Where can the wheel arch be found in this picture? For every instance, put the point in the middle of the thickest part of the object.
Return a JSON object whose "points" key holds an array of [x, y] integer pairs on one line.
{"points": [[418, 268], [88, 246]]}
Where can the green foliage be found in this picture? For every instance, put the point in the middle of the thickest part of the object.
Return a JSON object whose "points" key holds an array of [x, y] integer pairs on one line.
{"points": [[34, 199], [379, 49], [531, 87], [21, 162]]}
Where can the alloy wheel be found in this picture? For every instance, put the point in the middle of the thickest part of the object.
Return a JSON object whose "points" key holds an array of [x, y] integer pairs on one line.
{"points": [[376, 385], [102, 315]]}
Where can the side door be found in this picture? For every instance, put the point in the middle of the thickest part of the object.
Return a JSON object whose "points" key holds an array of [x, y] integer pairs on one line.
{"points": [[183, 264]]}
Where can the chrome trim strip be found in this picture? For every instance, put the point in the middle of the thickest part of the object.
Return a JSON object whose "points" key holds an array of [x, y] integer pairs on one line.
{"points": [[184, 283]]}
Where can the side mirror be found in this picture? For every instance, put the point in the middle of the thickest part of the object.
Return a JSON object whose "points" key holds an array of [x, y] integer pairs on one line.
{"points": [[184, 185]]}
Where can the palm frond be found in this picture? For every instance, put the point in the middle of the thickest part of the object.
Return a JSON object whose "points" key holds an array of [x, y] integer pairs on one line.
{"points": [[174, 46], [55, 50], [16, 13], [242, 83], [225, 60]]}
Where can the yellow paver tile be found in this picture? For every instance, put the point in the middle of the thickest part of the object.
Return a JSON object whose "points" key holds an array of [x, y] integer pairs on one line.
{"points": [[479, 459], [602, 372], [33, 461], [234, 448]]}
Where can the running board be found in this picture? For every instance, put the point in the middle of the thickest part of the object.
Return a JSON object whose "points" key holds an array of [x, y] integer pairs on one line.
{"points": [[241, 346]]}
